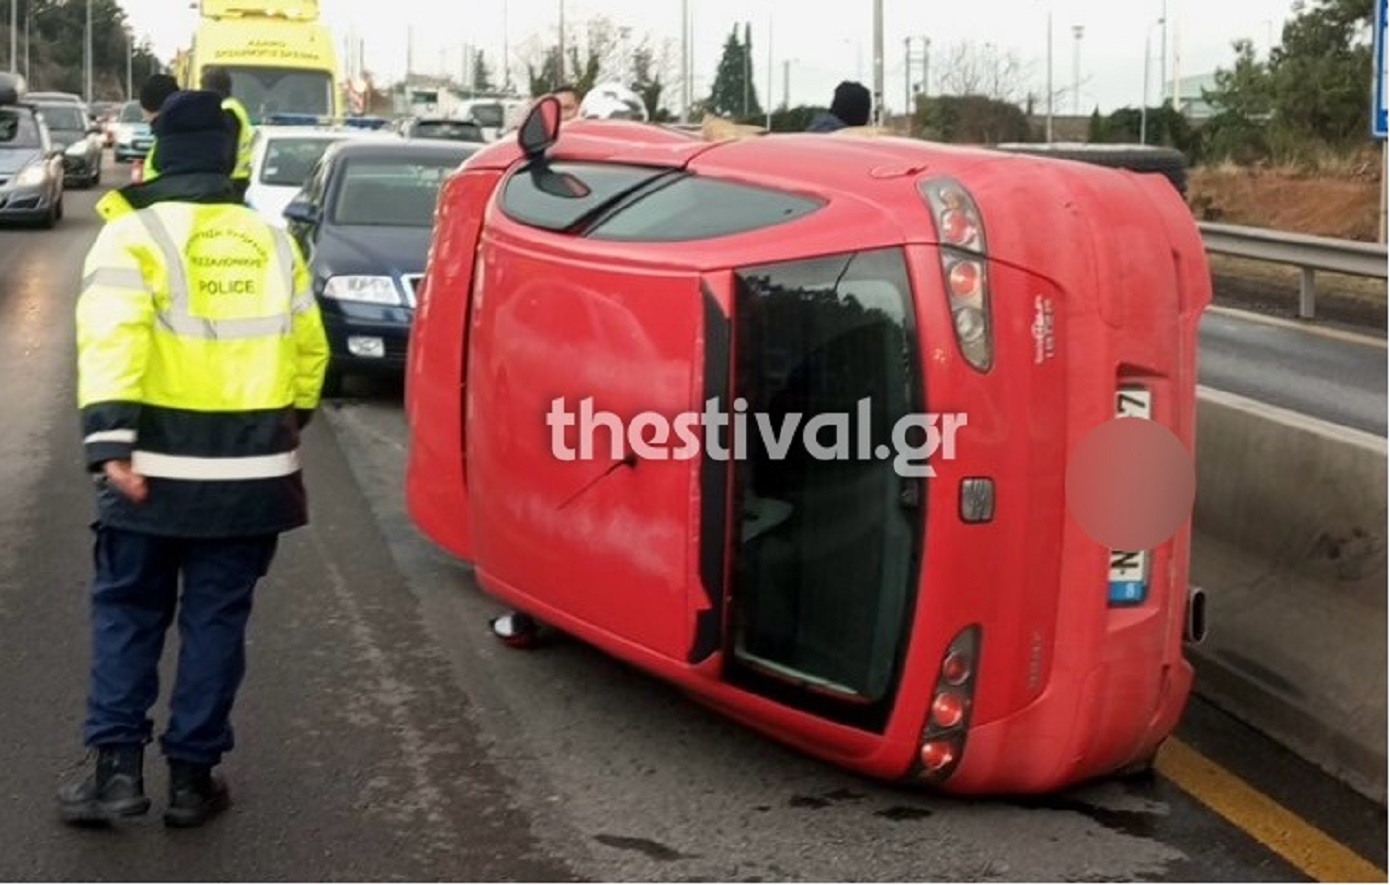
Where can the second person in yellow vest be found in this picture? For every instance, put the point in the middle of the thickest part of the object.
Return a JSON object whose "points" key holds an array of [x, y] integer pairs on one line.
{"points": [[218, 80]]}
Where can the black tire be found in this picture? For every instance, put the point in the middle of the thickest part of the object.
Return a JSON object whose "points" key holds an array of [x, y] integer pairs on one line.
{"points": [[58, 214], [50, 220], [1168, 162], [332, 384]]}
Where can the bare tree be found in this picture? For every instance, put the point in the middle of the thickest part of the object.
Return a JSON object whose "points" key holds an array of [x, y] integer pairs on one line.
{"points": [[969, 69]]}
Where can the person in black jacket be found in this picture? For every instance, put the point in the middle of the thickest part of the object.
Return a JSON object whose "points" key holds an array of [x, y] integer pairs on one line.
{"points": [[851, 106]]}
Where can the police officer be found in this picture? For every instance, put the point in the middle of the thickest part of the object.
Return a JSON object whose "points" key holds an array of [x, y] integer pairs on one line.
{"points": [[201, 355], [219, 81], [153, 94]]}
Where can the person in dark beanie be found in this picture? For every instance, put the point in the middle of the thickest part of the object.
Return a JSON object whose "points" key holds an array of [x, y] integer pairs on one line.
{"points": [[852, 105], [155, 91], [201, 357]]}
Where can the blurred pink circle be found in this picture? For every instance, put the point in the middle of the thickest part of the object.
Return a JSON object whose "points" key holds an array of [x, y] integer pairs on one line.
{"points": [[1131, 484]]}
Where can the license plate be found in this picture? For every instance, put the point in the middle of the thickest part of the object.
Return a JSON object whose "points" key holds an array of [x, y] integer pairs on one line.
{"points": [[1129, 569]]}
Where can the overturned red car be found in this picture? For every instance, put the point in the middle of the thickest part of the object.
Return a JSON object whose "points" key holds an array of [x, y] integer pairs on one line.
{"points": [[618, 324]]}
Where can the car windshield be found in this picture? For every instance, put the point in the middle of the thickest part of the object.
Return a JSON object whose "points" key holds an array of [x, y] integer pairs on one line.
{"points": [[18, 130], [452, 130], [266, 91], [130, 113], [390, 192], [64, 117], [288, 161], [487, 114]]}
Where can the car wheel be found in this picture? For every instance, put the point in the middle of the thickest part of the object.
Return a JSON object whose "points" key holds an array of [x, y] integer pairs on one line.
{"points": [[51, 219], [58, 212]]}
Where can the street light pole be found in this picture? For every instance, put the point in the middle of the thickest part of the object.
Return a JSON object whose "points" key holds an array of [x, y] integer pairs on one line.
{"points": [[685, 61], [1051, 90], [1163, 48], [769, 68], [561, 66], [1077, 31], [129, 65], [88, 52], [14, 36], [878, 63], [1144, 105]]}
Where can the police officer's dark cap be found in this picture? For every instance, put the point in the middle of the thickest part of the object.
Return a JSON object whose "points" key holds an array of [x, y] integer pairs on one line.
{"points": [[193, 134]]}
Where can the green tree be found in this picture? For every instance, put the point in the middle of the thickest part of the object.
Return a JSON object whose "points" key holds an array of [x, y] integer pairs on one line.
{"points": [[53, 53], [969, 119], [482, 75], [1097, 131], [733, 93], [646, 82]]}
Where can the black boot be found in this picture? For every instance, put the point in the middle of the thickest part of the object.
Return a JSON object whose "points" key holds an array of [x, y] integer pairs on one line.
{"points": [[195, 794], [115, 787]]}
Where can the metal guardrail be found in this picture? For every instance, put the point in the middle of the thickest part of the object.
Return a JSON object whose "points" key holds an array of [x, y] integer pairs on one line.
{"points": [[1309, 254]]}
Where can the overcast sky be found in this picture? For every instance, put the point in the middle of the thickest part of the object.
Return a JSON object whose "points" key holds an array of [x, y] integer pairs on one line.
{"points": [[822, 48]]}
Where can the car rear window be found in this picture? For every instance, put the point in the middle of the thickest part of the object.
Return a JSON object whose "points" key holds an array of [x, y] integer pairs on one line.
{"points": [[288, 161], [453, 130], [696, 208], [826, 568], [390, 192], [64, 118], [18, 130]]}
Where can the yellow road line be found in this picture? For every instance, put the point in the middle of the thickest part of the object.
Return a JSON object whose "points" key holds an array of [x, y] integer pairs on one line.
{"points": [[1300, 843]]}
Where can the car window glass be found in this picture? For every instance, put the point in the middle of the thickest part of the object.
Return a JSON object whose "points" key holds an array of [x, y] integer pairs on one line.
{"points": [[288, 161], [64, 118], [390, 192], [18, 130], [455, 130], [487, 114], [524, 199], [131, 113], [694, 208]]}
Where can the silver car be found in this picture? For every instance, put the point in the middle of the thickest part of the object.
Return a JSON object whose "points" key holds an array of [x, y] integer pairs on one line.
{"points": [[31, 168]]}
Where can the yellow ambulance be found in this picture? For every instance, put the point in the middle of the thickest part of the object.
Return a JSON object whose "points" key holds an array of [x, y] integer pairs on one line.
{"points": [[279, 53]]}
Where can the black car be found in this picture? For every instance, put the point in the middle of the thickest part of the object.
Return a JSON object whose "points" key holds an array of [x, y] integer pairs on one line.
{"points": [[364, 221], [443, 128], [79, 138], [31, 166]]}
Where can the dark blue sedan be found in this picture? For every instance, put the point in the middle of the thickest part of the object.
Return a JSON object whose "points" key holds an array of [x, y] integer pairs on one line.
{"points": [[364, 220]]}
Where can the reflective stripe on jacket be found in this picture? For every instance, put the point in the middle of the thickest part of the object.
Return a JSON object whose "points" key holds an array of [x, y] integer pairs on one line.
{"points": [[201, 353], [245, 137]]}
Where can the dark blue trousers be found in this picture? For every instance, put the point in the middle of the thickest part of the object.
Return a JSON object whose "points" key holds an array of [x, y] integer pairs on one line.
{"points": [[135, 599]]}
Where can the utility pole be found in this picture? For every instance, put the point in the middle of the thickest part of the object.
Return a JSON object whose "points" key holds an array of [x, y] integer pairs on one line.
{"points": [[1077, 31], [87, 52], [1144, 105], [409, 52], [926, 66], [786, 84], [1177, 65], [907, 72], [561, 66], [14, 36], [747, 65], [878, 63], [1163, 49], [1051, 91], [769, 71], [129, 65]]}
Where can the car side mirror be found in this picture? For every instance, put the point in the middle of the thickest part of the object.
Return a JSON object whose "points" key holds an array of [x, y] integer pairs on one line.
{"points": [[301, 211], [541, 128]]}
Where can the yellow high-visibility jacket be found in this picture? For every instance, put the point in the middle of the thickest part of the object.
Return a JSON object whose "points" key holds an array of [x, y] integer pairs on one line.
{"points": [[245, 137], [201, 354]]}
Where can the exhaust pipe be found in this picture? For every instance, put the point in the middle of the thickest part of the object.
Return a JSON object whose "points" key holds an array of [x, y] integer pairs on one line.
{"points": [[1195, 627]]}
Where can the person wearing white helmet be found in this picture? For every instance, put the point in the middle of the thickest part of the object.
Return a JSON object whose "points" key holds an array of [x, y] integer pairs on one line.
{"points": [[613, 101]]}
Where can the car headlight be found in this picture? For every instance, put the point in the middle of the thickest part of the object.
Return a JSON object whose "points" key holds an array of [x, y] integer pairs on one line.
{"points": [[33, 174], [371, 290]]}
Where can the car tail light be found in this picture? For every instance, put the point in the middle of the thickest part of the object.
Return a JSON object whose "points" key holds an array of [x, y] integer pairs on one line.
{"points": [[948, 717], [964, 258]]}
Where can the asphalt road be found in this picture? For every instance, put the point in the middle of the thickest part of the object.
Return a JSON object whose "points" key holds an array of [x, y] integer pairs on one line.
{"points": [[1327, 374], [384, 736]]}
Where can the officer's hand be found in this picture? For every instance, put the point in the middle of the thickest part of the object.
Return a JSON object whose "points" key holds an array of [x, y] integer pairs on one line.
{"points": [[127, 481]]}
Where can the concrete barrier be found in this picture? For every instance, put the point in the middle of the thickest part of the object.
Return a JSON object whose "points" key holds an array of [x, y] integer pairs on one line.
{"points": [[1290, 544]]}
